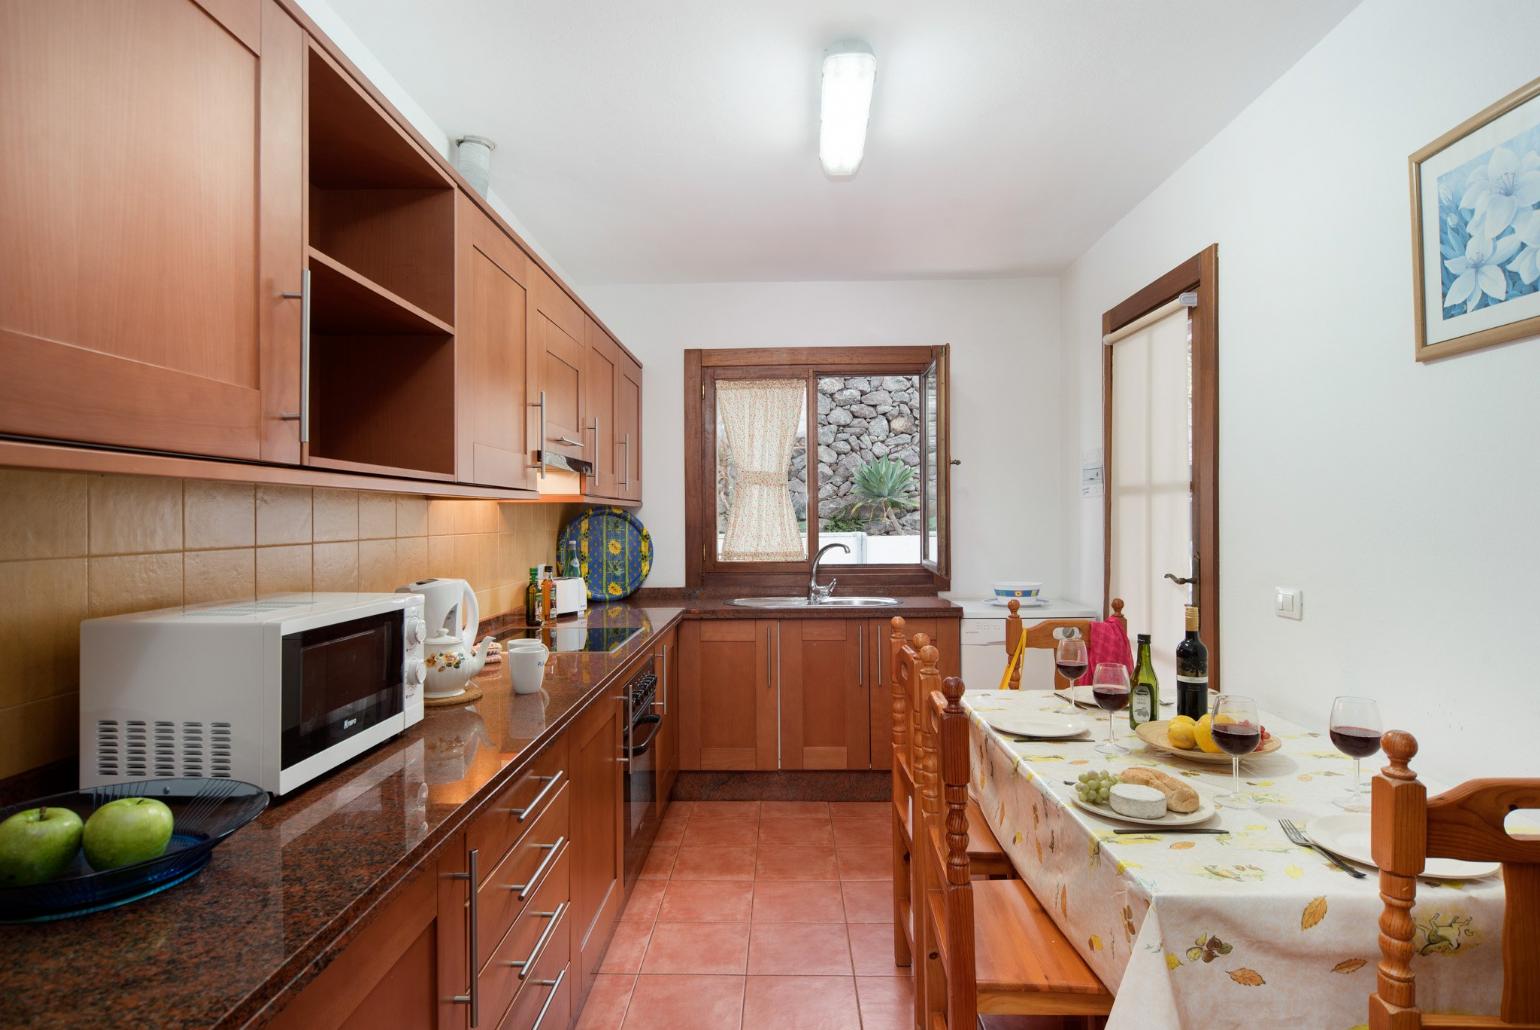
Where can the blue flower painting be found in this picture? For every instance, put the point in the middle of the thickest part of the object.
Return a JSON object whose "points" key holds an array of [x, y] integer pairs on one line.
{"points": [[1489, 228]]}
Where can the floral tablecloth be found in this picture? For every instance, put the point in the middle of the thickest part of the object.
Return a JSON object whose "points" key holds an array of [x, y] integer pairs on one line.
{"points": [[1209, 931]]}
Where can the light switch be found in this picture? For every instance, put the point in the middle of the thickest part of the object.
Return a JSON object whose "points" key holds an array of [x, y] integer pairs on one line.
{"points": [[1289, 603]]}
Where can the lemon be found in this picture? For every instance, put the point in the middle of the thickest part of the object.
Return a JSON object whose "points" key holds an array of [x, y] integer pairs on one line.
{"points": [[1182, 733], [1203, 732]]}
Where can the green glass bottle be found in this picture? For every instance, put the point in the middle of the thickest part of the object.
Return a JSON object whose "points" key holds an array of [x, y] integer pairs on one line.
{"points": [[1144, 699], [532, 598]]}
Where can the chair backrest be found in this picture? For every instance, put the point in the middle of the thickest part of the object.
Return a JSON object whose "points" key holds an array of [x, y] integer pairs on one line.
{"points": [[1047, 634], [1464, 823], [905, 662], [949, 989]]}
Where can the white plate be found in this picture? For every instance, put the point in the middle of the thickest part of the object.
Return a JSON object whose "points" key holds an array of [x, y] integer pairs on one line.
{"points": [[1205, 811], [1347, 836], [1026, 602], [1081, 695], [1048, 725]]}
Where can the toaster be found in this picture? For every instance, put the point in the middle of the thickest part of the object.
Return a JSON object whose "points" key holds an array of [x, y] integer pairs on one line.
{"points": [[570, 596]]}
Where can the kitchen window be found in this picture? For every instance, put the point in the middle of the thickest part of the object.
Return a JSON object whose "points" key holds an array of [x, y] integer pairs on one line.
{"points": [[791, 450]]}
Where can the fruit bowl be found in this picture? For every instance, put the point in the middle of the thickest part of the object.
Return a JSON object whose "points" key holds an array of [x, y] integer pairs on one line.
{"points": [[1156, 735], [204, 812]]}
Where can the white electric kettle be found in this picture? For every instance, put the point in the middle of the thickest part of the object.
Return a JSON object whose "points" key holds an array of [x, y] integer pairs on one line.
{"points": [[450, 652]]}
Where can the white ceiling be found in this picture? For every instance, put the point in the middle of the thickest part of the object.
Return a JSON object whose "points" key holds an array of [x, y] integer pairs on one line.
{"points": [[676, 140]]}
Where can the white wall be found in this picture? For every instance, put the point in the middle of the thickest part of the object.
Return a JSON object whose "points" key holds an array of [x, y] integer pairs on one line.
{"points": [[1404, 499], [1004, 334]]}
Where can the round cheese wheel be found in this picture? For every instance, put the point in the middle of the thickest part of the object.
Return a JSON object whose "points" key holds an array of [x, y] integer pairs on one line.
{"points": [[1137, 801]]}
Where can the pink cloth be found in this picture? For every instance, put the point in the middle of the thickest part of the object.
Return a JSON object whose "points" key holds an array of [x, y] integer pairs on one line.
{"points": [[1107, 641]]}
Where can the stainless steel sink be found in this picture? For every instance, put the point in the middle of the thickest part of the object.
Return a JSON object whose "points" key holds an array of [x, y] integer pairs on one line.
{"points": [[803, 602]]}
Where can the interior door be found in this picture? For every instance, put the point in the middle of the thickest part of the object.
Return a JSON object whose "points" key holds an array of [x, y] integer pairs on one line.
{"points": [[129, 292], [559, 355], [600, 390]]}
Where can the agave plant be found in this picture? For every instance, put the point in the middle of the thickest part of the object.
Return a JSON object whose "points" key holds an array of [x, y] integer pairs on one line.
{"points": [[883, 490]]}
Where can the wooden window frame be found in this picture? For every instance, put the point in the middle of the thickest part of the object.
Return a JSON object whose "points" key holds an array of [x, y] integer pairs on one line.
{"points": [[704, 368], [1198, 274]]}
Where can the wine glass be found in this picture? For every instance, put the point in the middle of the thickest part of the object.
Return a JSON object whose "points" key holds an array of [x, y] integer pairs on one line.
{"points": [[1109, 686], [1070, 658], [1355, 729], [1237, 732]]}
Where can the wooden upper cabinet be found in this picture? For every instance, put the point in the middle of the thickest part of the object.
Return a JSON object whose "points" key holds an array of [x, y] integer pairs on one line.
{"points": [[727, 700], [600, 389], [628, 427], [558, 357], [491, 353], [148, 141], [825, 713]]}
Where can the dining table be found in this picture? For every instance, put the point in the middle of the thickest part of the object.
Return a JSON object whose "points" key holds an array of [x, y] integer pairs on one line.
{"points": [[1237, 929]]}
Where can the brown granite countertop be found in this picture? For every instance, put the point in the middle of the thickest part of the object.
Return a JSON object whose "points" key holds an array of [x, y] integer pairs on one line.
{"points": [[908, 607], [285, 894]]}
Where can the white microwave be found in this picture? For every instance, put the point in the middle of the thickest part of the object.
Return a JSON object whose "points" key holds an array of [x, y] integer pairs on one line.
{"points": [[275, 691]]}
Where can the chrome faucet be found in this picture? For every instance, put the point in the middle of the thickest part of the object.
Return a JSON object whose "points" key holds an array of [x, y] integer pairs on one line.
{"points": [[818, 594]]}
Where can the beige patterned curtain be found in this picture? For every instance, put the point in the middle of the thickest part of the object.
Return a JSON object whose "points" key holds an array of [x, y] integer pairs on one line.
{"points": [[760, 418]]}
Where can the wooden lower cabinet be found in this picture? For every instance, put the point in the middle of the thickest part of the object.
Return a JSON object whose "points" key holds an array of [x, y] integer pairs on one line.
{"points": [[947, 636], [667, 706], [824, 711], [727, 700], [598, 838]]}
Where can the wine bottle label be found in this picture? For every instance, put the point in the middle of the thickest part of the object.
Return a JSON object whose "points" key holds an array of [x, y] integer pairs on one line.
{"points": [[1197, 680], [1142, 706]]}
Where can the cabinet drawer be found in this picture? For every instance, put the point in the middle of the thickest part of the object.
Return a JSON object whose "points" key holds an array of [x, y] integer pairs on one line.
{"points": [[540, 934], [506, 891], [545, 1004], [519, 805]]}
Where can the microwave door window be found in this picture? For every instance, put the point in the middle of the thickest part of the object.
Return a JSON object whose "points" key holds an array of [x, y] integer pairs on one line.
{"points": [[338, 681]]}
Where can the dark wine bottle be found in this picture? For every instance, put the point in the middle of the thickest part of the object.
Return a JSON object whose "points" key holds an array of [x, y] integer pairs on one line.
{"points": [[1144, 701], [1192, 671]]}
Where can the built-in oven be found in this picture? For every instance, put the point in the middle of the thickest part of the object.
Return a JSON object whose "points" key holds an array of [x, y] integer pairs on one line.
{"points": [[641, 795]]}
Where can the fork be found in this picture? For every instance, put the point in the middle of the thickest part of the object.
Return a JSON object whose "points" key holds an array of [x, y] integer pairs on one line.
{"points": [[1295, 834]]}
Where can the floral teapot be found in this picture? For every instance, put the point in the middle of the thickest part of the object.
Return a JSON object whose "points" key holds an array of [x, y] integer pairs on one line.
{"points": [[451, 664]]}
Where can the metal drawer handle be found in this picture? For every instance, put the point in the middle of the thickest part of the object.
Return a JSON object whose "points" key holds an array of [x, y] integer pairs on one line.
{"points": [[554, 985], [473, 999], [550, 784], [528, 963], [567, 440], [524, 889]]}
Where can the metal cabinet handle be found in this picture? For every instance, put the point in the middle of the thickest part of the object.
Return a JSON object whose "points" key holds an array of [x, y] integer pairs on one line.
{"points": [[529, 885], [661, 658], [541, 438], [550, 784], [567, 440], [473, 999], [554, 985], [303, 415], [625, 463], [597, 449], [527, 963]]}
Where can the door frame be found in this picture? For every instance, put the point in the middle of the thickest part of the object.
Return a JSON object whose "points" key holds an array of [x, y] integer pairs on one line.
{"points": [[1198, 274]]}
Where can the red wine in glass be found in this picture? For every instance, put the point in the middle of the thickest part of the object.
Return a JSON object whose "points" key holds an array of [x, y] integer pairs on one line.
{"points": [[1110, 696], [1071, 671], [1355, 741], [1237, 738]]}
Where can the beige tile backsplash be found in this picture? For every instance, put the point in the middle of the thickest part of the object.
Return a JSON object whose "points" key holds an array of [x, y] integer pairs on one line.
{"points": [[74, 546]]}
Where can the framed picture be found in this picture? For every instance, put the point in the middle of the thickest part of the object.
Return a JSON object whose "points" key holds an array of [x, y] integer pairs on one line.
{"points": [[1476, 230]]}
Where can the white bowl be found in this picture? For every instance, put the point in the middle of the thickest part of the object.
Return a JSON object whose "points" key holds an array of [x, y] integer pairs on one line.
{"points": [[1021, 589]]}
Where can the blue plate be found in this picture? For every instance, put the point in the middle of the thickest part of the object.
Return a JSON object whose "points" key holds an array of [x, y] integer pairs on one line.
{"points": [[614, 551], [205, 812]]}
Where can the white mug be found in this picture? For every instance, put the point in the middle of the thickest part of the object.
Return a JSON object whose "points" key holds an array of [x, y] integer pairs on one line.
{"points": [[526, 665]]}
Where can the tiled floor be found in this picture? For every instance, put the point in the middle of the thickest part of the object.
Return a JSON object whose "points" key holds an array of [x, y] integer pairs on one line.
{"points": [[758, 916]]}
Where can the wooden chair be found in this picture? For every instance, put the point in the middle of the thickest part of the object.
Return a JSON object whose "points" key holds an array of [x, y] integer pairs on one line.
{"points": [[1046, 635], [1464, 823], [987, 945], [915, 663]]}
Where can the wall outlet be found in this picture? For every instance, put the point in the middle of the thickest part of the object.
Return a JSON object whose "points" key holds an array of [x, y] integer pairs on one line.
{"points": [[1289, 603]]}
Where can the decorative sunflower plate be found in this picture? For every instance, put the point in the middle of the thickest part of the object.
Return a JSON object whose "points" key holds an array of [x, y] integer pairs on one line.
{"points": [[614, 551]]}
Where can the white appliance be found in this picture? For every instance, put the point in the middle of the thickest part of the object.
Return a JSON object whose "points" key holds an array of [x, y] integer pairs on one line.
{"points": [[571, 596], [275, 691], [450, 608], [983, 641]]}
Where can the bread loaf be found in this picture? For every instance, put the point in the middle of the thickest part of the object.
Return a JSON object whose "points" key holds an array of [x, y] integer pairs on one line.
{"points": [[1180, 798]]}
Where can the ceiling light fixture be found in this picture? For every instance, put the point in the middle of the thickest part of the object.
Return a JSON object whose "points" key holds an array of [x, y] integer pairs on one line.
{"points": [[849, 72]]}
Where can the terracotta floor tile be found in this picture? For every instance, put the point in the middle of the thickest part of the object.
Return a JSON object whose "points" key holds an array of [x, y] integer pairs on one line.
{"points": [[659, 863], [697, 948], [863, 833], [871, 950], [745, 811], [686, 1003], [866, 864], [710, 831], [646, 896], [778, 809], [785, 949], [796, 862], [627, 947], [887, 1002], [796, 901], [719, 862], [868, 901], [801, 1003], [859, 809], [707, 901], [796, 829], [606, 1005], [671, 829]]}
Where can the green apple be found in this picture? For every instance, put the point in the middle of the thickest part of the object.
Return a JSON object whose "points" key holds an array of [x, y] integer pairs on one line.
{"points": [[37, 844], [126, 831]]}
